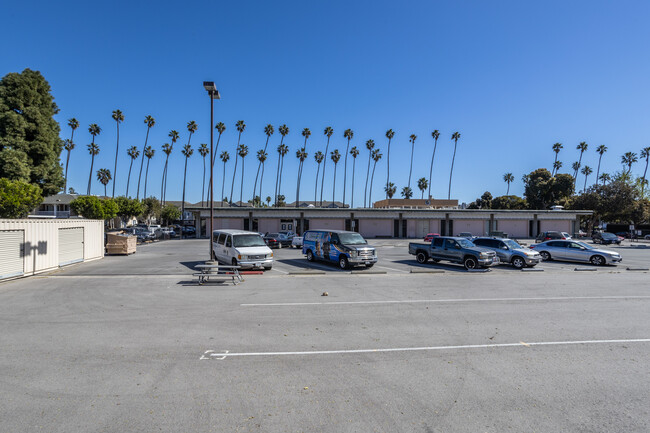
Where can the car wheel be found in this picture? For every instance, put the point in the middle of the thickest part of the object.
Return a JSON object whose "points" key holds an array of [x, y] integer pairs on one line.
{"points": [[343, 262], [234, 262], [518, 262], [310, 256], [597, 260], [470, 263], [422, 257], [268, 268], [545, 255]]}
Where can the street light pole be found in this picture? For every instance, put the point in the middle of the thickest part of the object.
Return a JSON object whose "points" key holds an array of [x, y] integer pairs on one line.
{"points": [[214, 94]]}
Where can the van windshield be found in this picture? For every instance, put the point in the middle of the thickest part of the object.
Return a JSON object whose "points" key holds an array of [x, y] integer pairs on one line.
{"points": [[352, 239], [248, 241]]}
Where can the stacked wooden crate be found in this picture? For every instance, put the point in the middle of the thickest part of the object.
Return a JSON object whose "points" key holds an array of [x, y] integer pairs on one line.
{"points": [[120, 243]]}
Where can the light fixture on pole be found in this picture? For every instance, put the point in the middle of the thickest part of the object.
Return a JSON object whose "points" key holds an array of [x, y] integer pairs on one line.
{"points": [[214, 94]]}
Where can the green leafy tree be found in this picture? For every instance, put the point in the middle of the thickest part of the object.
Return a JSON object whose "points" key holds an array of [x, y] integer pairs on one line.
{"points": [[511, 202], [336, 157], [328, 131], [435, 134], [556, 149], [412, 139], [151, 209], [18, 198], [170, 213], [69, 146], [556, 166], [376, 156], [128, 207], [29, 136], [104, 176], [268, 131], [645, 153], [483, 202], [541, 190], [268, 200], [133, 153], [88, 207], [455, 136], [109, 208], [508, 178], [149, 152], [407, 192], [348, 134], [150, 122], [118, 117], [423, 183], [600, 150], [604, 178], [615, 202], [389, 134]]}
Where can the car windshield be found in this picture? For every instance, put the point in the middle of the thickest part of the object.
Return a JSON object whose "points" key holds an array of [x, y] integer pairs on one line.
{"points": [[512, 244], [272, 235], [465, 243], [609, 236], [352, 239], [248, 241]]}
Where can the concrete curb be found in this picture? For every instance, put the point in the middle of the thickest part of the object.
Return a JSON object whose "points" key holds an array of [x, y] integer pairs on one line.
{"points": [[585, 269], [637, 269], [426, 271], [368, 272], [306, 273], [532, 270], [480, 270]]}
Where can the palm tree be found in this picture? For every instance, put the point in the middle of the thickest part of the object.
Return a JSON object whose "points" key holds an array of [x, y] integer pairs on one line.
{"points": [[283, 130], [348, 133], [268, 130], [104, 176], [576, 167], [389, 134], [582, 147], [318, 157], [370, 144], [191, 128], [600, 150], [390, 190], [225, 156], [94, 130], [242, 151], [134, 153], [412, 141], [118, 117], [93, 149], [301, 155], [645, 153], [149, 152], [455, 136], [604, 178], [423, 183], [268, 200], [167, 148], [220, 127], [283, 149], [187, 152], [261, 157], [336, 157], [204, 151], [435, 134], [305, 133], [557, 165], [376, 156], [556, 148], [586, 170], [241, 127], [150, 121], [328, 133], [69, 145], [354, 152], [628, 159], [507, 178], [407, 192], [173, 136]]}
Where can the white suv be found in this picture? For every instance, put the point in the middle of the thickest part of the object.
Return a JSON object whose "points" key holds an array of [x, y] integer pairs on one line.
{"points": [[241, 248]]}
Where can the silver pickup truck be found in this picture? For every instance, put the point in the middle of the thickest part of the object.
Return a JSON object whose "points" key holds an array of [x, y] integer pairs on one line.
{"points": [[455, 250]]}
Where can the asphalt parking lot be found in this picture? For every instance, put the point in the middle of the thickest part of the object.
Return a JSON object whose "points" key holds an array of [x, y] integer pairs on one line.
{"points": [[134, 344]]}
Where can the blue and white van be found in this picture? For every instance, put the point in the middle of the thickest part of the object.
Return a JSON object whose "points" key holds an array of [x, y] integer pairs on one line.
{"points": [[338, 246]]}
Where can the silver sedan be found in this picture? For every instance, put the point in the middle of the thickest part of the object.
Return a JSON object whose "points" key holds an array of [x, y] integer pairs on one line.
{"points": [[575, 251]]}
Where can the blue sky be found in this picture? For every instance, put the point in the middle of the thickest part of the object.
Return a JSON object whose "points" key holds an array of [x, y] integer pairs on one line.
{"points": [[512, 77]]}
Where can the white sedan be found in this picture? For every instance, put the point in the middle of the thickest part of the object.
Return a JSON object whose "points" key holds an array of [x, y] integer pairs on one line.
{"points": [[296, 242]]}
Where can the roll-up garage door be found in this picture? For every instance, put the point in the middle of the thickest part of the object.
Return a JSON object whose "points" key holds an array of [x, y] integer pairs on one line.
{"points": [[71, 245], [12, 262]]}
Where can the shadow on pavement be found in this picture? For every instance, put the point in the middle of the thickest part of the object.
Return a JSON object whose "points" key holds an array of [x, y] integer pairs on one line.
{"points": [[304, 264]]}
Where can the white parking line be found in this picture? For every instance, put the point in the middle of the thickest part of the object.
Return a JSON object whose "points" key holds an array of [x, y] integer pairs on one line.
{"points": [[433, 301], [225, 354]]}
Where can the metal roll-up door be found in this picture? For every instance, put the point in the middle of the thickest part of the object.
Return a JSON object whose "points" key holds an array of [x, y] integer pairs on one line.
{"points": [[12, 262], [71, 245]]}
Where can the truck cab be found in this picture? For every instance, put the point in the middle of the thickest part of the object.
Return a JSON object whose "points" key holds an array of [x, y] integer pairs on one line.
{"points": [[455, 250]]}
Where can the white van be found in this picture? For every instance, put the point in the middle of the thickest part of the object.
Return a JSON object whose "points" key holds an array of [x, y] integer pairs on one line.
{"points": [[241, 248]]}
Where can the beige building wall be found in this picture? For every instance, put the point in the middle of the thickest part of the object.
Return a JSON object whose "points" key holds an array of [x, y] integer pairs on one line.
{"points": [[514, 228], [371, 228], [473, 226], [555, 225], [327, 223]]}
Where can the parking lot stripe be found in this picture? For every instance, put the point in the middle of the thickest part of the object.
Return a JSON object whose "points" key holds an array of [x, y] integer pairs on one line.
{"points": [[433, 301], [225, 355]]}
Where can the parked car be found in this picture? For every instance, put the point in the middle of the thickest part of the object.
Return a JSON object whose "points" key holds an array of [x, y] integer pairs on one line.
{"points": [[510, 251], [241, 248], [296, 242], [566, 236], [429, 237], [547, 236], [455, 250], [188, 231], [277, 240], [168, 232], [624, 235], [646, 237], [466, 235], [575, 251], [141, 233], [606, 238], [287, 233], [338, 246]]}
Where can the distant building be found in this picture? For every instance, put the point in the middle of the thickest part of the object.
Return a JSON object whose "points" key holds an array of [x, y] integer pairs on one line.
{"points": [[55, 206], [403, 203]]}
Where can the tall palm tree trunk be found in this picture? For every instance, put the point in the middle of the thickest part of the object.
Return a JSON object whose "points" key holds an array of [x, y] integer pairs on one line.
{"points": [[316, 187], [365, 189], [354, 163], [387, 168], [241, 187], [183, 200], [371, 182], [146, 175], [223, 183], [435, 145], [598, 169], [117, 148], [334, 185], [90, 177], [277, 179], [259, 164], [162, 183], [281, 170], [411, 166], [584, 189], [65, 185], [322, 180], [137, 196], [232, 186], [508, 189], [345, 171], [451, 172], [128, 179], [261, 179], [203, 182]]}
